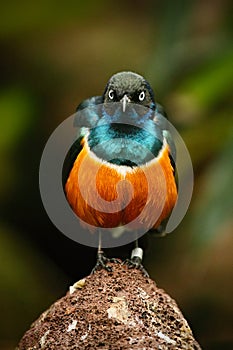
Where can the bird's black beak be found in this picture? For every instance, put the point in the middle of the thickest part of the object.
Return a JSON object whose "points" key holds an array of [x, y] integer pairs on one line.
{"points": [[125, 99]]}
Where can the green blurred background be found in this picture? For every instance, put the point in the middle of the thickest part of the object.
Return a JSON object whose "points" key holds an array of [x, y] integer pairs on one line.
{"points": [[53, 55]]}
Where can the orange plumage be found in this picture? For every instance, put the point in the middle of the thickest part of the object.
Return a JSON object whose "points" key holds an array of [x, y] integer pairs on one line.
{"points": [[107, 195]]}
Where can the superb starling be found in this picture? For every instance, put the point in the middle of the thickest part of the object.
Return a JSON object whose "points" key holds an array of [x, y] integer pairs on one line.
{"points": [[124, 158]]}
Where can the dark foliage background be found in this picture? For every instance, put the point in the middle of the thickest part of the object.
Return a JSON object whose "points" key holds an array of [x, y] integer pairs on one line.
{"points": [[53, 55]]}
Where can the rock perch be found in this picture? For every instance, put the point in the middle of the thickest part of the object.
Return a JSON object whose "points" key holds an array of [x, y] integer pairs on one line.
{"points": [[114, 310]]}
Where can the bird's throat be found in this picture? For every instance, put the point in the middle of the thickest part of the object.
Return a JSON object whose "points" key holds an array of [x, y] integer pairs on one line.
{"points": [[124, 144]]}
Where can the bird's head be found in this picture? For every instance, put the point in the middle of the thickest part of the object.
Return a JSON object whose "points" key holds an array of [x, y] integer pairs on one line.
{"points": [[126, 132], [128, 87]]}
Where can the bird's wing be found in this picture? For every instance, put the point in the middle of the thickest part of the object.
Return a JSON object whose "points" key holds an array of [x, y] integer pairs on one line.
{"points": [[86, 117], [88, 113], [162, 120]]}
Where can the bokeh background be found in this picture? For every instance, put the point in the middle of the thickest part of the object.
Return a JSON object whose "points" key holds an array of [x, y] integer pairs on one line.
{"points": [[55, 54]]}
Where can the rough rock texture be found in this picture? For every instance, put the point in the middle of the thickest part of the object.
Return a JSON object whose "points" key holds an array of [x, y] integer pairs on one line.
{"points": [[114, 310]]}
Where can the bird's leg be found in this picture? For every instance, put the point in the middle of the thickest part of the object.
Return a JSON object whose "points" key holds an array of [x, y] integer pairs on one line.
{"points": [[102, 260], [136, 259]]}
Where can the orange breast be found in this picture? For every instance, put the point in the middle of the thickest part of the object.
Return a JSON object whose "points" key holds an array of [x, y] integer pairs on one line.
{"points": [[107, 195]]}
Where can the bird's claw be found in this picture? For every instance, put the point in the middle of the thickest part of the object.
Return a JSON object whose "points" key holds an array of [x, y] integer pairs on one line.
{"points": [[136, 263], [102, 262]]}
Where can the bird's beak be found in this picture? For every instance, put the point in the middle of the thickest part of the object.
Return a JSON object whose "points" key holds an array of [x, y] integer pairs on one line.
{"points": [[125, 99]]}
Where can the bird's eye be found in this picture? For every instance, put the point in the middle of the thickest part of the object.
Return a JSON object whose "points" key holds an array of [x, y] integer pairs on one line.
{"points": [[111, 94], [141, 96]]}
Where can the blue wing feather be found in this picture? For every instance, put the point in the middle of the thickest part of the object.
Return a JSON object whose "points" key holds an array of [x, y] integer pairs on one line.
{"points": [[87, 113], [86, 117], [161, 119]]}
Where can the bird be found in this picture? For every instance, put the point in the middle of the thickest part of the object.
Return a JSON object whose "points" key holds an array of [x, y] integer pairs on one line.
{"points": [[121, 174]]}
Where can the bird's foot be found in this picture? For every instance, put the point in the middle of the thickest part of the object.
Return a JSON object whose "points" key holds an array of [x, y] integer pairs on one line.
{"points": [[102, 262], [136, 261]]}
